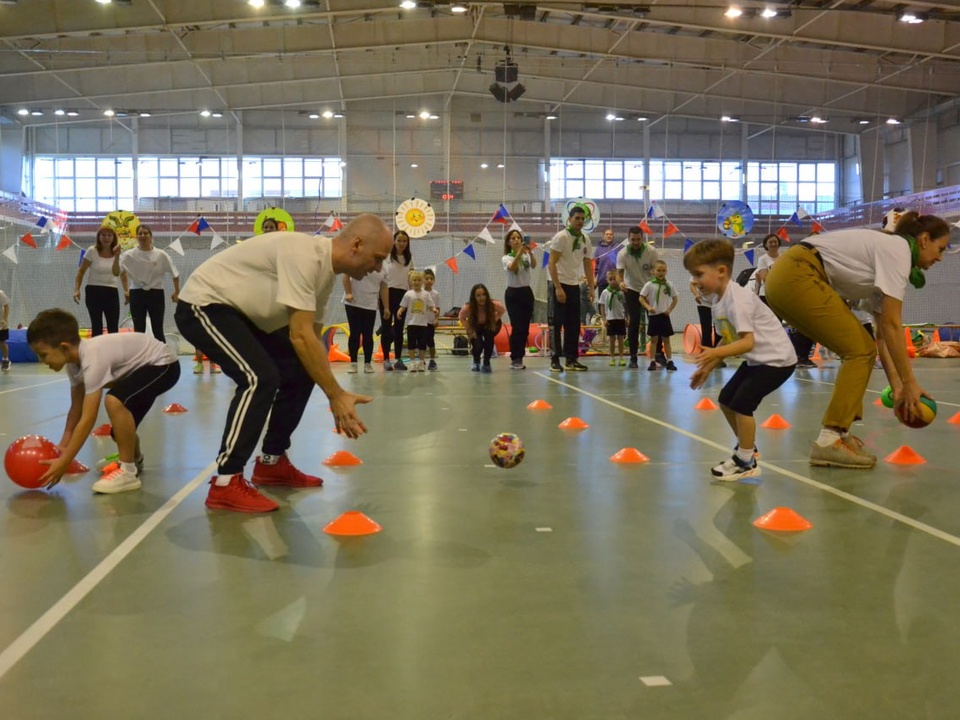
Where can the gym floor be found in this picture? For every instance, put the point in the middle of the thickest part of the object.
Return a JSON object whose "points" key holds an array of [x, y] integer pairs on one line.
{"points": [[568, 588]]}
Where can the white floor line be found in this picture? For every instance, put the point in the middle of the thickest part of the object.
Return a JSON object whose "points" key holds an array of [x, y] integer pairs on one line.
{"points": [[12, 654], [915, 524], [27, 387], [875, 392]]}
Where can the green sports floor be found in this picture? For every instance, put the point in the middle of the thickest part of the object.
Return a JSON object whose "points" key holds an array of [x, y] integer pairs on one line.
{"points": [[567, 588]]}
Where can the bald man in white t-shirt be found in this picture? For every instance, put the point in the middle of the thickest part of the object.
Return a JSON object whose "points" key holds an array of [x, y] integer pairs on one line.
{"points": [[256, 310]]}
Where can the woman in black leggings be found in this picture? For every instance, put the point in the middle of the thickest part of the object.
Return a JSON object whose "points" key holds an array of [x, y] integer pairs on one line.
{"points": [[102, 298], [142, 271], [391, 329], [518, 261]]}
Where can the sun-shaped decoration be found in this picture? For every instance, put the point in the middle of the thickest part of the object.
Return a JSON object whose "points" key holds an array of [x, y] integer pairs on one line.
{"points": [[124, 223], [592, 221], [415, 217]]}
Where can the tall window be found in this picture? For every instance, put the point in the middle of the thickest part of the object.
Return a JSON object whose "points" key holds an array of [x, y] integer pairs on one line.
{"points": [[292, 177], [84, 184], [597, 179], [190, 177], [780, 188]]}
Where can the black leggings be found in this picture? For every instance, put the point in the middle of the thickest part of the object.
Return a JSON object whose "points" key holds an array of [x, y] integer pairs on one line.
{"points": [[519, 302], [148, 301], [391, 331], [103, 302], [566, 319], [482, 343], [361, 323]]}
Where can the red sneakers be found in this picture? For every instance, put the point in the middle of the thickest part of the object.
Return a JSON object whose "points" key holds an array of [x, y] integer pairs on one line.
{"points": [[282, 474], [239, 496]]}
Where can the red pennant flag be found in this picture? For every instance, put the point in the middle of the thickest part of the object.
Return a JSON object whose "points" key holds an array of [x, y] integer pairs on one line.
{"points": [[28, 239], [646, 228], [452, 264], [671, 229], [782, 234], [817, 227], [337, 225], [64, 243]]}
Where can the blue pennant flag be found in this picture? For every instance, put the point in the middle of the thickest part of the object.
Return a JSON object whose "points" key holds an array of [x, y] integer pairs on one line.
{"points": [[82, 253], [41, 222], [795, 219], [546, 259], [468, 250], [748, 254], [687, 244]]}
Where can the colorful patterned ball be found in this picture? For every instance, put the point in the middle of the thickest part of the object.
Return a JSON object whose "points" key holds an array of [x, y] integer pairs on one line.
{"points": [[506, 450]]}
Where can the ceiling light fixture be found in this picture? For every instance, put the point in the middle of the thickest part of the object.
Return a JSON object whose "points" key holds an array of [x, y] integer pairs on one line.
{"points": [[611, 116], [862, 121], [338, 115], [145, 114], [216, 114], [424, 114], [733, 12], [72, 113], [205, 113], [36, 113], [314, 116], [23, 111], [641, 119], [59, 112], [910, 17], [817, 120], [109, 113], [729, 118], [327, 114], [551, 116], [892, 121], [292, 4], [459, 7], [411, 117], [255, 3], [484, 166], [408, 4], [414, 165]]}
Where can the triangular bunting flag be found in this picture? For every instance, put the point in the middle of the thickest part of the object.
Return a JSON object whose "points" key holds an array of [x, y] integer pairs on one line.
{"points": [[486, 237], [452, 264], [546, 259], [41, 222], [817, 227], [795, 219], [64, 243], [801, 213], [332, 222], [217, 240], [176, 247], [654, 211], [198, 226], [11, 254], [749, 254], [432, 268], [83, 252], [646, 228], [501, 216], [671, 230], [782, 234], [687, 244], [513, 227], [28, 240], [468, 250]]}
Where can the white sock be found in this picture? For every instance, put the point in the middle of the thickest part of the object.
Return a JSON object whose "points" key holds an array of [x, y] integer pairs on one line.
{"points": [[223, 480], [745, 455], [827, 437], [269, 459], [129, 467]]}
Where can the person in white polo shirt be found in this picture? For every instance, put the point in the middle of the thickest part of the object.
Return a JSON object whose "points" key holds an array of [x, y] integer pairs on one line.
{"points": [[142, 271], [635, 267], [256, 309], [570, 254]]}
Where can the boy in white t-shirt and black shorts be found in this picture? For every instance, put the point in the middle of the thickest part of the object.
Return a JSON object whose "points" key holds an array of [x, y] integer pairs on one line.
{"points": [[134, 368], [417, 304], [746, 327]]}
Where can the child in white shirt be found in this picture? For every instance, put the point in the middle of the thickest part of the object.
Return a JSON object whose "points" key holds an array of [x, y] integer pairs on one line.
{"points": [[614, 317], [5, 332], [419, 309], [429, 278], [659, 298], [746, 327]]}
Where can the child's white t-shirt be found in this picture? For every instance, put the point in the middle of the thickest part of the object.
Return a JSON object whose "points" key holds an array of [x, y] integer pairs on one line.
{"points": [[419, 307], [739, 310], [649, 291], [366, 291], [107, 358], [859, 261], [612, 304], [435, 297], [100, 272]]}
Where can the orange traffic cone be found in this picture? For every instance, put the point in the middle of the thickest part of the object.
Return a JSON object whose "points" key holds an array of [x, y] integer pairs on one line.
{"points": [[353, 522], [706, 404], [175, 408], [629, 455], [539, 405], [816, 354], [879, 402], [343, 457], [955, 420], [77, 468], [782, 519], [775, 422], [936, 335], [102, 430], [337, 355], [573, 423], [905, 455]]}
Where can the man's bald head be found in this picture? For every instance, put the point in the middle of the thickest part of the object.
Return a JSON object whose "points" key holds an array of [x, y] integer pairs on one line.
{"points": [[362, 246]]}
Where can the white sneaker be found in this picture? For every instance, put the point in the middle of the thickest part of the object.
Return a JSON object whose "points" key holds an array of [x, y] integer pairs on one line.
{"points": [[353, 368], [367, 368], [735, 469], [117, 482]]}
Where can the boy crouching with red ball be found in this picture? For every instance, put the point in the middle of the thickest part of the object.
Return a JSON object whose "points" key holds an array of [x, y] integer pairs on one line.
{"points": [[133, 368], [748, 328]]}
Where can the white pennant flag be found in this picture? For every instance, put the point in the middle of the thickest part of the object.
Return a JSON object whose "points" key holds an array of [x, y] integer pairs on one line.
{"points": [[515, 227], [432, 268], [802, 214], [217, 240], [486, 237], [11, 254], [176, 247]]}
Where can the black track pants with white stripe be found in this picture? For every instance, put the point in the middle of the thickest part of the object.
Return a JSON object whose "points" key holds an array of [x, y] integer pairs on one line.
{"points": [[271, 381]]}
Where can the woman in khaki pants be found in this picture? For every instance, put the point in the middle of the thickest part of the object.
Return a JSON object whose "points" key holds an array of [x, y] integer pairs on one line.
{"points": [[808, 288]]}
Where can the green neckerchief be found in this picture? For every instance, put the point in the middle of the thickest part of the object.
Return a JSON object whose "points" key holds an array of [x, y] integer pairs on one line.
{"points": [[916, 277], [577, 237], [613, 294], [523, 261], [661, 285], [636, 253]]}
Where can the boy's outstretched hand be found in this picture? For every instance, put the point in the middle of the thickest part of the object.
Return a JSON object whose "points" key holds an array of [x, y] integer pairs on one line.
{"points": [[55, 473], [707, 359]]}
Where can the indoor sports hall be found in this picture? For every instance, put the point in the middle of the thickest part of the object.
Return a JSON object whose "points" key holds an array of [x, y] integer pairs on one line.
{"points": [[608, 574]]}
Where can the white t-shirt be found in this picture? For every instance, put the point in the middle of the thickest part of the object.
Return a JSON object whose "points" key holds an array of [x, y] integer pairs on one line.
{"points": [[420, 308], [520, 278], [570, 260], [765, 263], [396, 273], [265, 276], [860, 261], [100, 271], [366, 291], [107, 358], [637, 271], [649, 291], [435, 297], [612, 304], [739, 310], [147, 268]]}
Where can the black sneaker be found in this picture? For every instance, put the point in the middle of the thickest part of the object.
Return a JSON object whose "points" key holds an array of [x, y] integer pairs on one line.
{"points": [[577, 366], [633, 365], [661, 358], [652, 365], [670, 366], [555, 366]]}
